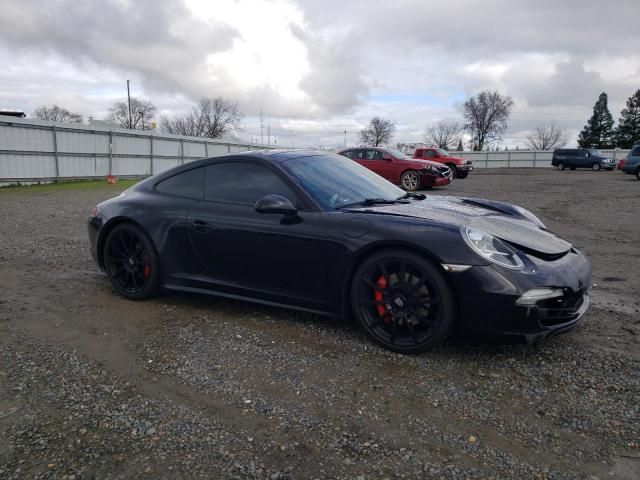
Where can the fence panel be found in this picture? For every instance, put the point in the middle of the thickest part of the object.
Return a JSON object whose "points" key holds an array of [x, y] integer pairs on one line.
{"points": [[34, 150]]}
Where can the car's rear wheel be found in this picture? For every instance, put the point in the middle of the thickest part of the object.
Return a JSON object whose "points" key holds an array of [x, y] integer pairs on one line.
{"points": [[410, 180], [595, 167], [402, 301], [561, 166], [131, 262]]}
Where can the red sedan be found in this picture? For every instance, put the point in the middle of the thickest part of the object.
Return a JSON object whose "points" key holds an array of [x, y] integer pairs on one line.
{"points": [[400, 169]]}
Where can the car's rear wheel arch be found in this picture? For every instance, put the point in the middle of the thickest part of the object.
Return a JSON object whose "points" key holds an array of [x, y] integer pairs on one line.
{"points": [[109, 226], [371, 250]]}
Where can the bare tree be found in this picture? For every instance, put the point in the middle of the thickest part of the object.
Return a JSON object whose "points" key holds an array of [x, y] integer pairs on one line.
{"points": [[211, 118], [547, 137], [486, 117], [55, 113], [443, 134], [378, 132], [142, 112]]}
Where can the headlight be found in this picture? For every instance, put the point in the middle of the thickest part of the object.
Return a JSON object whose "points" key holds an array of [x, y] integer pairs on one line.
{"points": [[529, 216], [491, 248]]}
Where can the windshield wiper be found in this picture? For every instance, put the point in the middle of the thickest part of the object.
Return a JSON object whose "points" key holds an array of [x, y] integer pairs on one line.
{"points": [[417, 196], [372, 201]]}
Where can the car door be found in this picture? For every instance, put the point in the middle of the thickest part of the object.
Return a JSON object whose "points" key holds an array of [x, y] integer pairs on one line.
{"points": [[430, 154], [245, 252], [376, 162], [582, 158]]}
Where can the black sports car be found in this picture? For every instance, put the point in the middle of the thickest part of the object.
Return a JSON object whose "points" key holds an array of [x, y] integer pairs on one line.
{"points": [[318, 232]]}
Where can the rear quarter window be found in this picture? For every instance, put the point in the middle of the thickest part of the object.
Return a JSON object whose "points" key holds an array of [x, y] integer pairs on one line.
{"points": [[189, 184]]}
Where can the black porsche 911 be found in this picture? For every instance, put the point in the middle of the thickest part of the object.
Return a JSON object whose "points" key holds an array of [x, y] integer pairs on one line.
{"points": [[318, 232]]}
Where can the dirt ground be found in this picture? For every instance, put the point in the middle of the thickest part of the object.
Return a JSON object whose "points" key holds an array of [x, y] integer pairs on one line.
{"points": [[181, 386]]}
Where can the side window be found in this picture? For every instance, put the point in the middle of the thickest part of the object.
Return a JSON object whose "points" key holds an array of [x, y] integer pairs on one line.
{"points": [[189, 184], [348, 153], [429, 153], [374, 155], [419, 153], [357, 154], [243, 183], [635, 152]]}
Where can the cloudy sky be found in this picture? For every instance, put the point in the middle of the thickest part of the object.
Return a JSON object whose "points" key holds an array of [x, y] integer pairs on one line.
{"points": [[320, 67]]}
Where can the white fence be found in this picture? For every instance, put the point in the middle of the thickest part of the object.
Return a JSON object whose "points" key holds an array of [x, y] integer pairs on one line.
{"points": [[39, 151], [521, 158]]}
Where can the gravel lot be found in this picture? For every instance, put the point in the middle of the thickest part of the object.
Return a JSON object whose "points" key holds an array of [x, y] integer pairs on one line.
{"points": [[94, 386]]}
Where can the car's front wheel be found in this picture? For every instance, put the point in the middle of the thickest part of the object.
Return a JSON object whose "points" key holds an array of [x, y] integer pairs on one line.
{"points": [[462, 174], [131, 262], [560, 165], [410, 180], [402, 301], [595, 167]]}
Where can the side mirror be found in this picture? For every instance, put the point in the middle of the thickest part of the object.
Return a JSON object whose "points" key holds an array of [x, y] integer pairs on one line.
{"points": [[386, 157], [275, 204]]}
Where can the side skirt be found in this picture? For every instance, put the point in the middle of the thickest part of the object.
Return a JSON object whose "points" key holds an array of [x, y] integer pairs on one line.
{"points": [[181, 288]]}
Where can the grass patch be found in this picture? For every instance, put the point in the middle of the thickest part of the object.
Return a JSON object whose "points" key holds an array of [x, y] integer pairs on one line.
{"points": [[79, 185]]}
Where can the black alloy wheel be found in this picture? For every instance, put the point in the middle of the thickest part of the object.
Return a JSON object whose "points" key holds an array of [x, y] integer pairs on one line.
{"points": [[131, 262], [402, 301]]}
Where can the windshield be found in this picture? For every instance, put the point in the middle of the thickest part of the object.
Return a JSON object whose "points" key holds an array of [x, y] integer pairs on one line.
{"points": [[334, 180], [443, 152], [596, 152], [397, 153]]}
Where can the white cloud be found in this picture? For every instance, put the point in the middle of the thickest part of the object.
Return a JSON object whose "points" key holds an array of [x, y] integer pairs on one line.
{"points": [[318, 68]]}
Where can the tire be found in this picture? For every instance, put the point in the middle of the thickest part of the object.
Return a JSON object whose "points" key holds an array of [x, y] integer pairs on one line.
{"points": [[462, 174], [595, 167], [410, 180], [402, 301], [638, 173], [131, 262], [560, 166]]}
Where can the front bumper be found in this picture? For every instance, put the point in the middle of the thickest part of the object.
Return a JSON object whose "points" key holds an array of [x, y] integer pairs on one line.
{"points": [[488, 294], [465, 167], [435, 179]]}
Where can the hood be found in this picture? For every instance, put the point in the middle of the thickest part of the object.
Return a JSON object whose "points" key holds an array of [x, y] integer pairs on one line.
{"points": [[428, 162], [499, 220]]}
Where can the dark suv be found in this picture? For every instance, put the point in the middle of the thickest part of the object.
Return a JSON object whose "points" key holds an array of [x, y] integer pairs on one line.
{"points": [[632, 163], [581, 158]]}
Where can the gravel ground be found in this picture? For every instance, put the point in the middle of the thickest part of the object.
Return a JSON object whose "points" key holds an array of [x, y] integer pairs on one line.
{"points": [[94, 386]]}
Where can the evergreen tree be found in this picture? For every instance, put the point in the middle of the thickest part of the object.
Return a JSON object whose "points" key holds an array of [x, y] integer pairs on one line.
{"points": [[628, 132], [598, 132]]}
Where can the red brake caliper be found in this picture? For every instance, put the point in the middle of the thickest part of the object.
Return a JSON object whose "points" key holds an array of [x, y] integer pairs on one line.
{"points": [[378, 297]]}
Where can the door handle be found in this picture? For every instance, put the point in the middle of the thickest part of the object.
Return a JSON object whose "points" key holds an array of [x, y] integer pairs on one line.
{"points": [[200, 226]]}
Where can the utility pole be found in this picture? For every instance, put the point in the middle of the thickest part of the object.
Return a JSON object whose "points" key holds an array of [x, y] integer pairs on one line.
{"points": [[129, 101], [345, 138], [268, 134], [261, 127]]}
